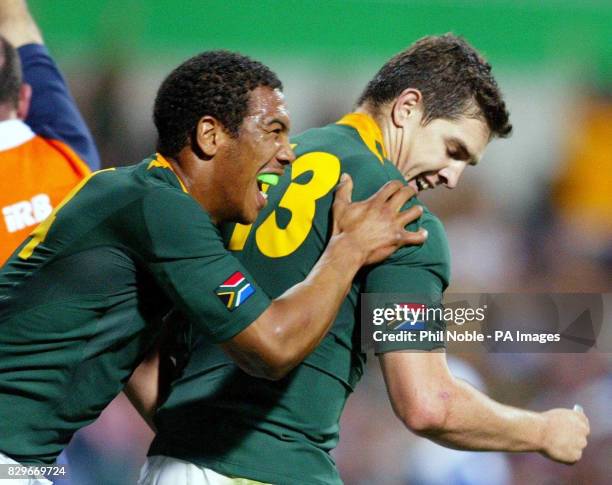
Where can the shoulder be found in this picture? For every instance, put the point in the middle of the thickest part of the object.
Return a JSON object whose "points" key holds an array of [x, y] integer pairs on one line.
{"points": [[173, 207], [150, 201], [370, 171], [433, 255], [174, 217], [437, 241]]}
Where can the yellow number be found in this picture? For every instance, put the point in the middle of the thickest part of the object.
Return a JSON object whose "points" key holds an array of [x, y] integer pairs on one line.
{"points": [[40, 233], [300, 200], [239, 237]]}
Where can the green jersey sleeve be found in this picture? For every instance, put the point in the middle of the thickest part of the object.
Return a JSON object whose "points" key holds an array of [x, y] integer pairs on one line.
{"points": [[185, 254], [421, 273]]}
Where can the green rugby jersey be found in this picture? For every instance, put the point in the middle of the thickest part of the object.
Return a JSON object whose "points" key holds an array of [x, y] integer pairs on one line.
{"points": [[83, 297], [282, 432]]}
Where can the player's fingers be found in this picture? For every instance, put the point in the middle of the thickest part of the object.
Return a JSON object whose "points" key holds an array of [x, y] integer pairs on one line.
{"points": [[342, 199], [410, 215], [587, 424], [577, 458], [414, 238], [580, 410], [399, 198], [344, 190], [342, 196], [386, 191]]}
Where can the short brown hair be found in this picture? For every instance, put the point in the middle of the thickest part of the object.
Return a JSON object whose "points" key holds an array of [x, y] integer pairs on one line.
{"points": [[10, 73], [452, 77]]}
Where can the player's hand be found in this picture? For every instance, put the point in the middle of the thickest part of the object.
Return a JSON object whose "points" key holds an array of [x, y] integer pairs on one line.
{"points": [[565, 435], [376, 227]]}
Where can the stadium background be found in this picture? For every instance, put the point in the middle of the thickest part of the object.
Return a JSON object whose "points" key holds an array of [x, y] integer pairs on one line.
{"points": [[536, 215]]}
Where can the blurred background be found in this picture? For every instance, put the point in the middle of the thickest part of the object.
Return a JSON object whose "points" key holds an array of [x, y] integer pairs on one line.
{"points": [[535, 215]]}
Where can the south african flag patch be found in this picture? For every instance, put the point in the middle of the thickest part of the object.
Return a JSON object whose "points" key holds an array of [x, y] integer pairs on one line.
{"points": [[234, 291]]}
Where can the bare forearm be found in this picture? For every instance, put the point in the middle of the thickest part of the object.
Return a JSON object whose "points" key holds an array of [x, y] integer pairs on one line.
{"points": [[436, 405], [473, 421], [365, 232], [304, 313], [17, 25], [297, 320]]}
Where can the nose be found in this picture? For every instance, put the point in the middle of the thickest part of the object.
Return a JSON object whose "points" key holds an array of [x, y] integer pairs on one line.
{"points": [[450, 175], [285, 155]]}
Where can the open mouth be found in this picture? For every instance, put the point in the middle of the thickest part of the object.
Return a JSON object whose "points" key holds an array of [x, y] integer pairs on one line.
{"points": [[261, 189], [419, 184], [422, 183], [267, 178]]}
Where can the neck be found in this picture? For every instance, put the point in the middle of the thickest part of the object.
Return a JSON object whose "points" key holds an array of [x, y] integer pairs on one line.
{"points": [[198, 178], [7, 112], [393, 135]]}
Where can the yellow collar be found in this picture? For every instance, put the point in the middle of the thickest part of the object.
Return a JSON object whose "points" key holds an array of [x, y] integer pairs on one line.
{"points": [[368, 130], [161, 162]]}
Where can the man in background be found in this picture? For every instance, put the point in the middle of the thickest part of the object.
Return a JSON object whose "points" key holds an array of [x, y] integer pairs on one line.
{"points": [[45, 146]]}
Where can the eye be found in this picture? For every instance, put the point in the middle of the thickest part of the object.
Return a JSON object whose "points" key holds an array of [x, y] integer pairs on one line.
{"points": [[457, 154], [276, 131]]}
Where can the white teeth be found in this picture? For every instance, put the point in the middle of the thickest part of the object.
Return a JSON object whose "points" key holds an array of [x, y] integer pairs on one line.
{"points": [[422, 184], [265, 196]]}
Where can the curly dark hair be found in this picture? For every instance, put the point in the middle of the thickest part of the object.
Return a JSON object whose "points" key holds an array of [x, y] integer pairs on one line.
{"points": [[453, 78], [214, 83], [10, 73]]}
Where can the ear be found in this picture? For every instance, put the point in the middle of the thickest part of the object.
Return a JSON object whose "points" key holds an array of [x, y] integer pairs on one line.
{"points": [[23, 105], [406, 106], [210, 135]]}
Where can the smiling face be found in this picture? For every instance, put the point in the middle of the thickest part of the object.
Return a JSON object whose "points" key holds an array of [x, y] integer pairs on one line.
{"points": [[438, 152], [262, 146]]}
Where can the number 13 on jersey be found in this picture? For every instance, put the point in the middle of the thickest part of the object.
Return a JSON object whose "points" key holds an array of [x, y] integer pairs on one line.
{"points": [[300, 199]]}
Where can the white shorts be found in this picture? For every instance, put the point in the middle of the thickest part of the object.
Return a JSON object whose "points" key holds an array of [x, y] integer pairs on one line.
{"points": [[164, 470], [5, 460]]}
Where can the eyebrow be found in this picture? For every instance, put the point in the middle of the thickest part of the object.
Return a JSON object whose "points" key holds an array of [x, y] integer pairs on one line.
{"points": [[464, 151], [283, 124]]}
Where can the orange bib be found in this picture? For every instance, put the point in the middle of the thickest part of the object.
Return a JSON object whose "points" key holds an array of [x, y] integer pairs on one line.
{"points": [[34, 177]]}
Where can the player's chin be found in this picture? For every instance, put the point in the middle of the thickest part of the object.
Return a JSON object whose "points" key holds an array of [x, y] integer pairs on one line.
{"points": [[249, 214], [247, 219], [252, 204]]}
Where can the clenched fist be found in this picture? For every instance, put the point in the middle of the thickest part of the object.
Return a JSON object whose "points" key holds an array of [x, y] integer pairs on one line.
{"points": [[565, 435]]}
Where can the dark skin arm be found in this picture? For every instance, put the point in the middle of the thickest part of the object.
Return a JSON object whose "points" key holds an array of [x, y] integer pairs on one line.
{"points": [[149, 384], [294, 324], [145, 387]]}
